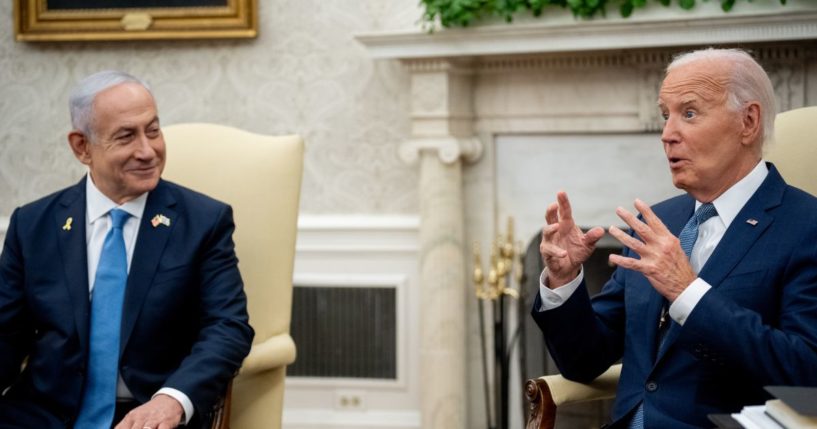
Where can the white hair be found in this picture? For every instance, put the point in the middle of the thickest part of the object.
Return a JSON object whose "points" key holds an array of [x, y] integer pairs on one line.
{"points": [[748, 82], [81, 98]]}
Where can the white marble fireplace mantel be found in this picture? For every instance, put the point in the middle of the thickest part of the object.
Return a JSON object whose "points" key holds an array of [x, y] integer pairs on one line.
{"points": [[652, 27]]}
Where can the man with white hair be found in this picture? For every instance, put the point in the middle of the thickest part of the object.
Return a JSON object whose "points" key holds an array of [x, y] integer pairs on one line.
{"points": [[715, 293], [120, 296]]}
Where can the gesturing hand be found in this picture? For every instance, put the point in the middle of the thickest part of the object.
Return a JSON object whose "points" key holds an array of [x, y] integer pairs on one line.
{"points": [[662, 262], [564, 246], [161, 412]]}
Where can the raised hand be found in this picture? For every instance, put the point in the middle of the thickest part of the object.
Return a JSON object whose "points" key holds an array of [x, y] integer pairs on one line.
{"points": [[564, 246], [662, 262]]}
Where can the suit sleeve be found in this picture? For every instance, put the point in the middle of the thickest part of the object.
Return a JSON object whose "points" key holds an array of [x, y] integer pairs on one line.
{"points": [[585, 336], [225, 335], [777, 350], [15, 327]]}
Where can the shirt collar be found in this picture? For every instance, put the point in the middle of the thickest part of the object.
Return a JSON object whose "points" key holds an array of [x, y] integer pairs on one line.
{"points": [[98, 205], [732, 201]]}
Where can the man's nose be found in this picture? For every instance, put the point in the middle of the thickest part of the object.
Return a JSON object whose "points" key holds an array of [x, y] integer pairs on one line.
{"points": [[669, 134], [143, 149]]}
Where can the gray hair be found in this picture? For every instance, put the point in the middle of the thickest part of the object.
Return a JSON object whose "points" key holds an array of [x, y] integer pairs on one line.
{"points": [[749, 82], [81, 98]]}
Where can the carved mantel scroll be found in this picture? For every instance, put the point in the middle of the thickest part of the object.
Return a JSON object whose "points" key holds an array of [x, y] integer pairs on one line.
{"points": [[448, 149]]}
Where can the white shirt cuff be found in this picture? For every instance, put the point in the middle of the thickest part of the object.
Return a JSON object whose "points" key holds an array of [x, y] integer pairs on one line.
{"points": [[182, 398], [687, 300], [553, 298]]}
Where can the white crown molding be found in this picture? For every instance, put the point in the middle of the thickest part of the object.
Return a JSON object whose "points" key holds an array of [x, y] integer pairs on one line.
{"points": [[357, 222], [325, 235], [671, 28]]}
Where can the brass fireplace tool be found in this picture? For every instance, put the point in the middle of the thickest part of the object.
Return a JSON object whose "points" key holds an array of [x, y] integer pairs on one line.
{"points": [[505, 268]]}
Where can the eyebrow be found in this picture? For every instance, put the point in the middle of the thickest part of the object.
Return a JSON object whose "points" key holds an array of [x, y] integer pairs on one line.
{"points": [[685, 102], [131, 127]]}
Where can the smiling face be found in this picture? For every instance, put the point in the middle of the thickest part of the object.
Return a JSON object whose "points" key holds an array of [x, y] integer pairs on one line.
{"points": [[709, 146], [126, 152]]}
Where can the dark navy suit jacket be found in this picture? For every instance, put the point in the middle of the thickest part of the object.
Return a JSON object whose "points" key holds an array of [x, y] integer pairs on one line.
{"points": [[757, 326], [184, 322]]}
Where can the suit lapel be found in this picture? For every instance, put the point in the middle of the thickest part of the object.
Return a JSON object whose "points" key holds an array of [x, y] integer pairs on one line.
{"points": [[742, 234], [73, 252], [150, 245]]}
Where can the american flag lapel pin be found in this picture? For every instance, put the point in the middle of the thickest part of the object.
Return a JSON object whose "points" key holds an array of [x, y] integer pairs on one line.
{"points": [[160, 219], [751, 221]]}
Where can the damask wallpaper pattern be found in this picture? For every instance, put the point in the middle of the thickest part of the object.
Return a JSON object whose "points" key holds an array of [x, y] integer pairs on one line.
{"points": [[304, 74]]}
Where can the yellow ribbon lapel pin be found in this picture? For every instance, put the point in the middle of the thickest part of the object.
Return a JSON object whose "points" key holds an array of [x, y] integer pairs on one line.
{"points": [[68, 222], [160, 219]]}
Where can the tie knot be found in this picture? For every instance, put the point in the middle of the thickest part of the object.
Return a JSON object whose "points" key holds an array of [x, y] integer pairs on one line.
{"points": [[118, 218], [704, 212]]}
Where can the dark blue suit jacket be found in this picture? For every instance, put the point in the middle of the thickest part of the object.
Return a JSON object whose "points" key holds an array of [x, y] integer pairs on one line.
{"points": [[757, 326], [184, 322]]}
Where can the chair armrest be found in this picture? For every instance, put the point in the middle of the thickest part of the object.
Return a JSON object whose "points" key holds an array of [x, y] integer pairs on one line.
{"points": [[545, 394], [275, 352]]}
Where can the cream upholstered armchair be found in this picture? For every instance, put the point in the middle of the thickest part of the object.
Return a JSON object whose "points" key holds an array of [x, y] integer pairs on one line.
{"points": [[260, 177], [794, 153], [794, 149]]}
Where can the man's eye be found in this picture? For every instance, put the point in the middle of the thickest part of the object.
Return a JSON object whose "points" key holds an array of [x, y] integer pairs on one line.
{"points": [[124, 137], [689, 114], [153, 132], [665, 116]]}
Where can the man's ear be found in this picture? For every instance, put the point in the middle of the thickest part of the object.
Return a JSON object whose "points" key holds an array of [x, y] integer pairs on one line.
{"points": [[80, 143], [751, 124]]}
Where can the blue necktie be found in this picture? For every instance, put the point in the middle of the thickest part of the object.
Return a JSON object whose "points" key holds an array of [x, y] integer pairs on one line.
{"points": [[99, 397], [688, 236]]}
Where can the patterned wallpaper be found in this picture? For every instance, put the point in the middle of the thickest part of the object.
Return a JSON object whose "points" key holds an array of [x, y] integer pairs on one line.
{"points": [[305, 74]]}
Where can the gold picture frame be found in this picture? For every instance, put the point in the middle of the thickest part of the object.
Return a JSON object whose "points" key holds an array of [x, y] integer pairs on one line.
{"points": [[36, 21]]}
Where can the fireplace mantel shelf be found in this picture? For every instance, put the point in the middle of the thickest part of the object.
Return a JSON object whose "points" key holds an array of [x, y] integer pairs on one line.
{"points": [[666, 28]]}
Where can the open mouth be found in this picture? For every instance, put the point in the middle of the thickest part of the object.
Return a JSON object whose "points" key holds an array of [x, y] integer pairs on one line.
{"points": [[675, 162]]}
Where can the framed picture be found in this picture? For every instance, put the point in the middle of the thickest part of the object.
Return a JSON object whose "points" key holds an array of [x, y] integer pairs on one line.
{"points": [[84, 20]]}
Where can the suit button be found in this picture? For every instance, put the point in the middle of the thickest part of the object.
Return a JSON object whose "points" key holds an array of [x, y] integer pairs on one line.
{"points": [[651, 386]]}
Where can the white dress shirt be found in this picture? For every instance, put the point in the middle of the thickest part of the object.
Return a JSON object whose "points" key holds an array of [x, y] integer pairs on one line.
{"points": [[710, 233], [97, 224]]}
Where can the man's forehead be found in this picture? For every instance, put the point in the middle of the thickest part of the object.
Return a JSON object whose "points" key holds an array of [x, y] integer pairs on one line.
{"points": [[690, 84], [123, 95]]}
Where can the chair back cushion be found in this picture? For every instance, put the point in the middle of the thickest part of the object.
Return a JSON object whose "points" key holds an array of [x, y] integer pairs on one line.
{"points": [[260, 177], [794, 148]]}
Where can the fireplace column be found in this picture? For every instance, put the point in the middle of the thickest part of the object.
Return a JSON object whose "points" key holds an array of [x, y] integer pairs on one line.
{"points": [[442, 137]]}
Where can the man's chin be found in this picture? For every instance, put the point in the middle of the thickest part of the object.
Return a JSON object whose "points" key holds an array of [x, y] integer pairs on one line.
{"points": [[146, 184], [679, 182]]}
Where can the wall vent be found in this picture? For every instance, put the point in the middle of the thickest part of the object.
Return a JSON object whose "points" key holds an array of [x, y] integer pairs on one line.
{"points": [[348, 332]]}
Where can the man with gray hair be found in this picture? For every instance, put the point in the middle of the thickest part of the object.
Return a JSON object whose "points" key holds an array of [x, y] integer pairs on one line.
{"points": [[121, 303], [715, 293]]}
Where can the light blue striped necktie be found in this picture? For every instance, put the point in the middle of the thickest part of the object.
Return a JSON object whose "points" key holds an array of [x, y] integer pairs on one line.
{"points": [[689, 234], [687, 237], [99, 396]]}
